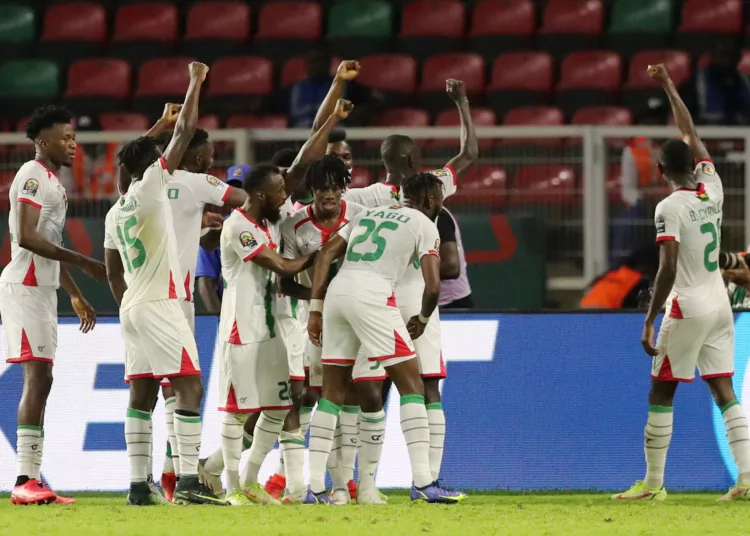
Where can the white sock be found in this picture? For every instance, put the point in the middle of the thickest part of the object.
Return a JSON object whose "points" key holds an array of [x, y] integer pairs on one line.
{"points": [[417, 435], [305, 414], [349, 422], [173, 457], [138, 441], [168, 466], [266, 432], [27, 443], [150, 462], [371, 436], [656, 438], [38, 458], [333, 465], [215, 462], [436, 421], [322, 428], [292, 445], [737, 436], [280, 467], [231, 447], [188, 431]]}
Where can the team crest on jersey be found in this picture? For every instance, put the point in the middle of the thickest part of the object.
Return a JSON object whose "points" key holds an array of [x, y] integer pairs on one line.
{"points": [[213, 181], [661, 224], [437, 245], [247, 240], [30, 187], [440, 172], [707, 168]]}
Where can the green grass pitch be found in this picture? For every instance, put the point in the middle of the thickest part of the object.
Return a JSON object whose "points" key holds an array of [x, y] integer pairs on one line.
{"points": [[482, 514]]}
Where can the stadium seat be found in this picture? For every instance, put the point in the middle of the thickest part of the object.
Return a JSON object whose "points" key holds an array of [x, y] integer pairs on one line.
{"points": [[402, 117], [209, 122], [435, 71], [287, 28], [431, 27], [549, 184], [159, 79], [533, 116], [519, 79], [602, 115], [98, 85], [482, 185], [254, 121], [216, 29], [124, 121], [482, 117], [295, 70], [144, 31], [236, 84], [17, 31], [360, 28], [72, 31], [361, 177], [705, 22], [570, 26], [588, 79], [499, 26], [639, 25], [389, 74], [26, 84], [640, 89]]}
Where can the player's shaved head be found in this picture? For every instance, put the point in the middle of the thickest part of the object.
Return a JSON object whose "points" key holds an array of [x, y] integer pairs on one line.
{"points": [[284, 158], [676, 161], [399, 153], [138, 155]]}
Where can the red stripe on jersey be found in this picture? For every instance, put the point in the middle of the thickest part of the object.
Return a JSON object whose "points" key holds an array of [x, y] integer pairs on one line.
{"points": [[231, 403], [234, 336], [188, 297], [675, 311], [163, 163], [664, 239], [30, 278], [186, 365], [226, 194], [699, 162], [45, 166], [172, 289], [392, 301], [254, 253], [29, 202], [301, 223], [453, 174], [433, 252], [26, 351], [402, 350]]}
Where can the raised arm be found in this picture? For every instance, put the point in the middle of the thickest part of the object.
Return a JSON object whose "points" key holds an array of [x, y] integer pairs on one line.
{"points": [[681, 114], [347, 70], [166, 121], [469, 152], [188, 118]]}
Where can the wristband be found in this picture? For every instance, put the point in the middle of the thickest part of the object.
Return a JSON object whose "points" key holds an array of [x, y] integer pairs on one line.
{"points": [[423, 319], [316, 306]]}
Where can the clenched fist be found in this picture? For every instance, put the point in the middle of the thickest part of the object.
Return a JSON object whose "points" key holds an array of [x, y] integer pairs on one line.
{"points": [[198, 71], [659, 73]]}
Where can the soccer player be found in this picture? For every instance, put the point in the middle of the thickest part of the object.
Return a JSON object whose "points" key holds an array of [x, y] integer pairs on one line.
{"points": [[363, 328], [254, 370], [698, 325], [145, 277], [28, 296], [400, 155]]}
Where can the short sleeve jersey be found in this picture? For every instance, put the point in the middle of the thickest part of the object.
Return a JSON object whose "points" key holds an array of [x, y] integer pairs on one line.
{"points": [[139, 227], [188, 193], [383, 243], [383, 193], [247, 314], [40, 187], [693, 218], [283, 305]]}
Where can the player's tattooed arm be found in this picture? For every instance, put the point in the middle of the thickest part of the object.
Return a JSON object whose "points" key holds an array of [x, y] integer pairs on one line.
{"points": [[347, 70], [270, 260], [166, 121], [187, 119], [663, 284], [80, 305], [314, 148], [31, 239], [115, 274], [682, 116], [469, 152]]}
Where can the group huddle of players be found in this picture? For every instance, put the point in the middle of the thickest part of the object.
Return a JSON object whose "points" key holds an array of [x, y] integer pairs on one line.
{"points": [[325, 291]]}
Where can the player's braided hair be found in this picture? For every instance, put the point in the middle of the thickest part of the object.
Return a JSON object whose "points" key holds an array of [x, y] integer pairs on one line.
{"points": [[46, 117], [329, 171], [418, 186], [138, 155]]}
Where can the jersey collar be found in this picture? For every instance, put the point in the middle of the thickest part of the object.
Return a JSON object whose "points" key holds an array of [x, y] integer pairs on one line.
{"points": [[45, 166], [263, 226], [700, 191]]}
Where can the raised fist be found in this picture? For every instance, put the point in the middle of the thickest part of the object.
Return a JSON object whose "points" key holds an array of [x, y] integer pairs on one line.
{"points": [[455, 89], [343, 108], [348, 70], [658, 72], [198, 71]]}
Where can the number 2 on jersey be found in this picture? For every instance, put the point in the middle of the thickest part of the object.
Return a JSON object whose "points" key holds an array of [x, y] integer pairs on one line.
{"points": [[127, 242], [373, 235], [715, 232]]}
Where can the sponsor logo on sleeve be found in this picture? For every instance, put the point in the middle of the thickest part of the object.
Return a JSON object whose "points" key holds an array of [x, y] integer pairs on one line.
{"points": [[440, 172], [247, 240], [213, 181], [30, 187], [707, 168], [661, 225]]}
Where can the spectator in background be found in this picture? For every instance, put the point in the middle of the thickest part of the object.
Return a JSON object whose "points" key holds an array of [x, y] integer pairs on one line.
{"points": [[340, 148], [627, 286], [208, 272], [455, 292], [722, 91]]}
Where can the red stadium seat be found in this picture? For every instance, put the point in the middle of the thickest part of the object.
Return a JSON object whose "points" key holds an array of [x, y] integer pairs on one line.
{"points": [[389, 73], [124, 121], [744, 65], [209, 122], [295, 70], [711, 16], [151, 21], [482, 117], [240, 76], [485, 185], [534, 115], [361, 177], [99, 78], [218, 20], [254, 121], [165, 76], [591, 70], [566, 17], [603, 115], [466, 67], [520, 79], [503, 17], [290, 20], [402, 117], [433, 18], [79, 21], [549, 184], [676, 61]]}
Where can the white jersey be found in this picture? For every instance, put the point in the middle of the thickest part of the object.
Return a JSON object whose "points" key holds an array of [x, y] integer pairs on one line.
{"points": [[188, 193], [249, 290], [693, 218], [383, 243], [38, 186], [139, 227], [284, 305]]}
